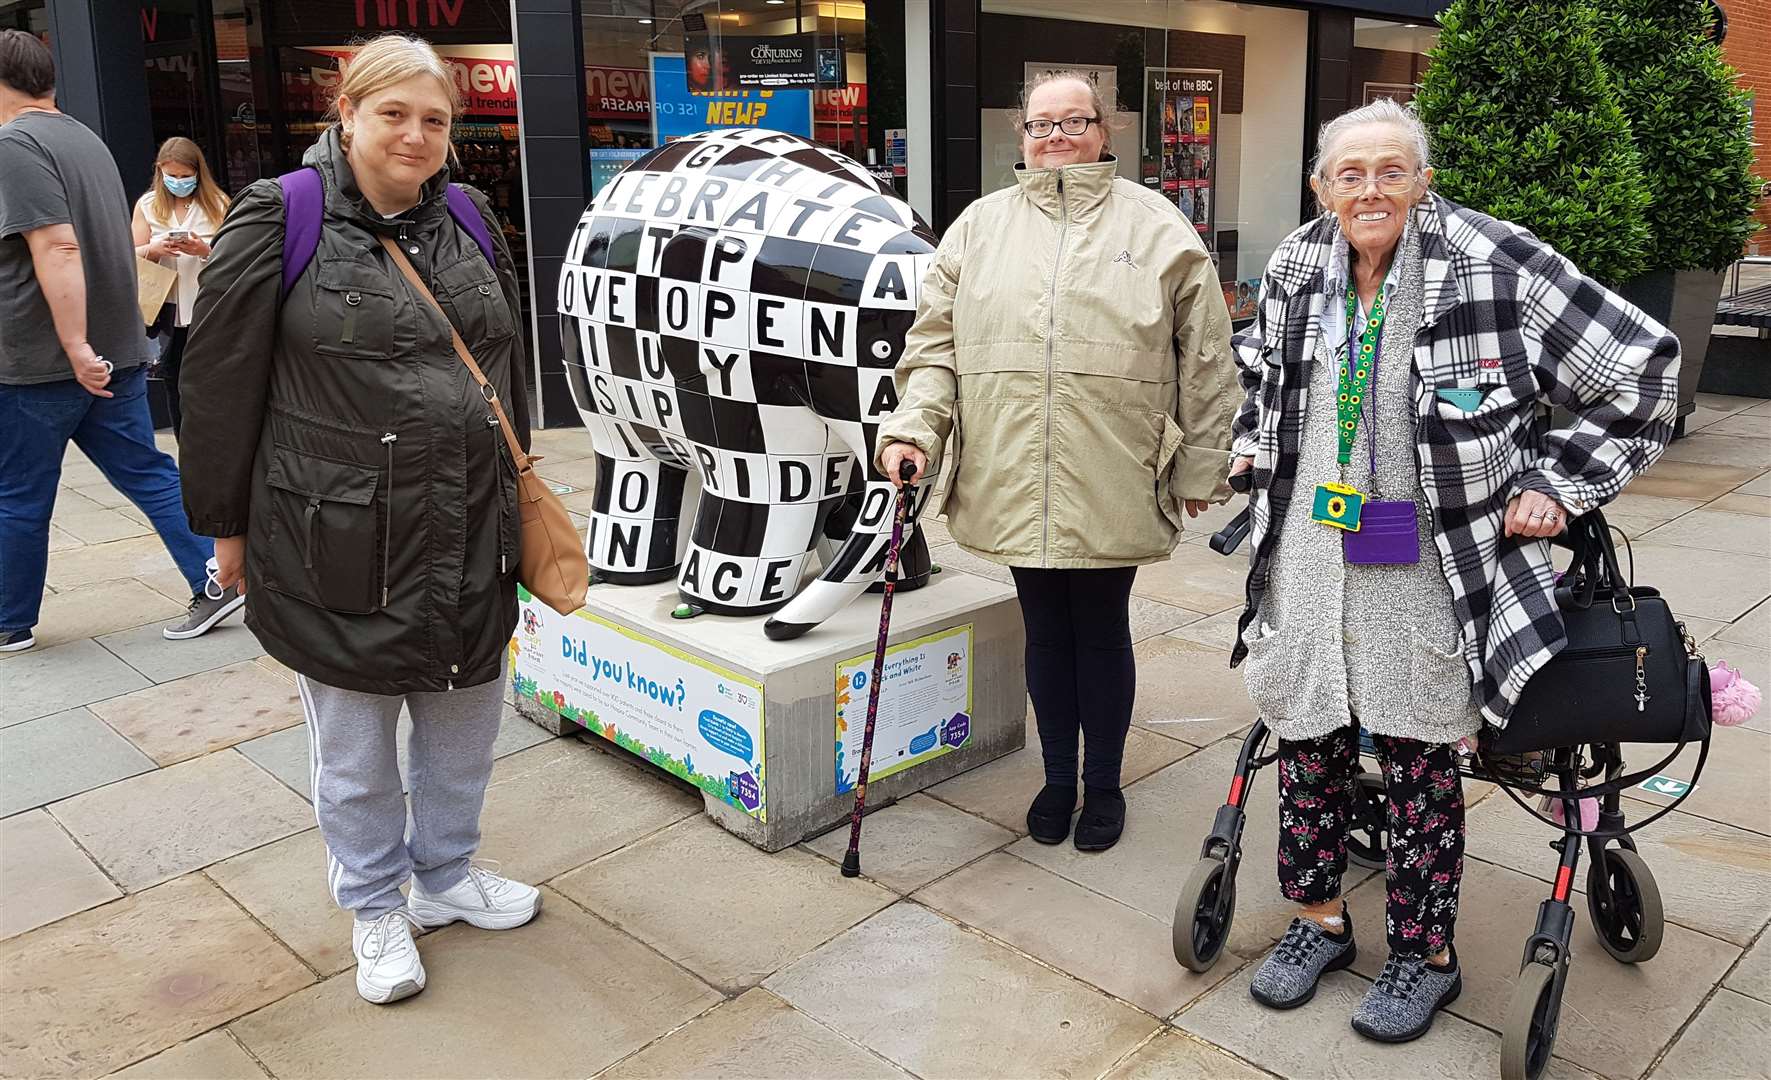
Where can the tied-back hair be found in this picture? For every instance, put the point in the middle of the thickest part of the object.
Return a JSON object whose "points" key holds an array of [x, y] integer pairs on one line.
{"points": [[1107, 111], [1381, 111], [179, 150], [390, 59]]}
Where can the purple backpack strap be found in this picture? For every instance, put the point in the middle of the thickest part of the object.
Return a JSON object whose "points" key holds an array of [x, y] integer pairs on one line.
{"points": [[304, 211], [468, 216]]}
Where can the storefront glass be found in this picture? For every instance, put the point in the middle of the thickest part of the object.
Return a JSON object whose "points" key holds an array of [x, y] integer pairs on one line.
{"points": [[28, 15], [656, 70], [1389, 59], [1211, 101]]}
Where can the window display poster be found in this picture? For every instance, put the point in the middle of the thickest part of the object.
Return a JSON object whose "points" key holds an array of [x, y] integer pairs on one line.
{"points": [[1180, 141], [676, 111], [683, 714], [925, 705]]}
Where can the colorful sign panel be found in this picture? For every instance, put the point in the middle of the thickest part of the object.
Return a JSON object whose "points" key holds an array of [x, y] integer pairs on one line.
{"points": [[687, 716], [925, 705], [677, 112], [1181, 112]]}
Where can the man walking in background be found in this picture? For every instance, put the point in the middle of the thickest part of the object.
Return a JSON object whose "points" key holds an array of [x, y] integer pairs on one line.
{"points": [[73, 350]]}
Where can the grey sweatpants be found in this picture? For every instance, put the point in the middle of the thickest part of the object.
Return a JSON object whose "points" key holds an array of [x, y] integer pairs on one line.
{"points": [[357, 793]]}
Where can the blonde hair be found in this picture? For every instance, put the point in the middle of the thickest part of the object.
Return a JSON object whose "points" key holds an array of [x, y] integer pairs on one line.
{"points": [[386, 61], [181, 151], [1107, 111]]}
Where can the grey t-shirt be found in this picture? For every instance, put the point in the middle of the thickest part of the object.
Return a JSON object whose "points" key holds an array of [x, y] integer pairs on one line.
{"points": [[57, 172]]}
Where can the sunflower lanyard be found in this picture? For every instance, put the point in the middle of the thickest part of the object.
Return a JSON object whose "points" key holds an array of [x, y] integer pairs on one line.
{"points": [[1340, 505]]}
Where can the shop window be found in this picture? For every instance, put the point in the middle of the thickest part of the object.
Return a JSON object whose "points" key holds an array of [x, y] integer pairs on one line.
{"points": [[1211, 109], [657, 70], [31, 16], [178, 81], [1389, 59]]}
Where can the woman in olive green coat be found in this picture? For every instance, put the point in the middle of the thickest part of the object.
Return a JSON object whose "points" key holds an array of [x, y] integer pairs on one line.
{"points": [[1071, 360]]}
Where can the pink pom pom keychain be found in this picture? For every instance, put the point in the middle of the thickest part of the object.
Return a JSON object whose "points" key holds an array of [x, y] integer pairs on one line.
{"points": [[1733, 700]]}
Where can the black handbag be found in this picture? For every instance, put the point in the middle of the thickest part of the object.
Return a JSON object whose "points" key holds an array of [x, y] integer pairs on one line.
{"points": [[1629, 671]]}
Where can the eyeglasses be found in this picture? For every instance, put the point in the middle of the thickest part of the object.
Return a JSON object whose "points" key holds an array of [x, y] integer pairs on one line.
{"points": [[1069, 125], [1389, 182]]}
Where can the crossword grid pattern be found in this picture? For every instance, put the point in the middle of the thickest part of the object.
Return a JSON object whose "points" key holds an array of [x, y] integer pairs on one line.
{"points": [[733, 306]]}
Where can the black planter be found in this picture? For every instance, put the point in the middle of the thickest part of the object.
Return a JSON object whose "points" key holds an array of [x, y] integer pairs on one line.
{"points": [[1684, 301]]}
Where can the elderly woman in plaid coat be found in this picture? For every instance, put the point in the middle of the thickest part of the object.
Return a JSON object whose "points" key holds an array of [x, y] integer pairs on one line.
{"points": [[1406, 487]]}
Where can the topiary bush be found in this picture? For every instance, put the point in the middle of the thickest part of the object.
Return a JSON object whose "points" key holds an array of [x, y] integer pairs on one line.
{"points": [[1691, 124], [1526, 126]]}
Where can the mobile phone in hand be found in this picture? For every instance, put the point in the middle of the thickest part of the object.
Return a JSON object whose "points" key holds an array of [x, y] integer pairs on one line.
{"points": [[178, 236]]}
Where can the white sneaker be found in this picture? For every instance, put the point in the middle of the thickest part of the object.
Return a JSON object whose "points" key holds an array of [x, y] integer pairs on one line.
{"points": [[388, 967], [482, 898]]}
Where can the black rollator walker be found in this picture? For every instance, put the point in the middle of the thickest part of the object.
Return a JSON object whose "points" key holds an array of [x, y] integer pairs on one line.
{"points": [[1622, 898]]}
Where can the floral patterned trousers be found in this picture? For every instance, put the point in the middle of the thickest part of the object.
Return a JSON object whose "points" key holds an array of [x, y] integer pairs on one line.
{"points": [[1317, 788]]}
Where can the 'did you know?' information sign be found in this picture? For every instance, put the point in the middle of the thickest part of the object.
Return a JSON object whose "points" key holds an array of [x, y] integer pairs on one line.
{"points": [[681, 713]]}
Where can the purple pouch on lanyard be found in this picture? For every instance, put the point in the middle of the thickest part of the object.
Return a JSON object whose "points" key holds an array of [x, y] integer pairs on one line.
{"points": [[1387, 534]]}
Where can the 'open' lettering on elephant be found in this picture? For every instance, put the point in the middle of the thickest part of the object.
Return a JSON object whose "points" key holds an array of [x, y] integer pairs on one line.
{"points": [[733, 306]]}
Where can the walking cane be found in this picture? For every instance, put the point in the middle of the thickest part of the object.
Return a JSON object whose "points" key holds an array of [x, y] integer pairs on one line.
{"points": [[851, 860]]}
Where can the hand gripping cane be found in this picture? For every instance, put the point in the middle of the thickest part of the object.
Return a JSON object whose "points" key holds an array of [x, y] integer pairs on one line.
{"points": [[851, 860]]}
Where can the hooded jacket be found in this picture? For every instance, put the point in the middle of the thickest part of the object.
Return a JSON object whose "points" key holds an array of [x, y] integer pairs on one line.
{"points": [[339, 431]]}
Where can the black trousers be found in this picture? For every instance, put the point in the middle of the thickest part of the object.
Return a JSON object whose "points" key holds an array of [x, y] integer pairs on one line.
{"points": [[1317, 786], [170, 360], [1080, 670]]}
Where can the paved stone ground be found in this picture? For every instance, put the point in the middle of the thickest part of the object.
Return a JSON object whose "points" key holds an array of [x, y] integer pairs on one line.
{"points": [[164, 911]]}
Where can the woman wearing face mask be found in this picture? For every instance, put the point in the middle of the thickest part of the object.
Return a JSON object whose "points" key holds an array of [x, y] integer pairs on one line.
{"points": [[1071, 359], [173, 224], [357, 481]]}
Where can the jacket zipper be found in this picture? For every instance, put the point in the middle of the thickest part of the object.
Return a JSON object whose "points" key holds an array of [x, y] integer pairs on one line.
{"points": [[1051, 326], [387, 530], [498, 453]]}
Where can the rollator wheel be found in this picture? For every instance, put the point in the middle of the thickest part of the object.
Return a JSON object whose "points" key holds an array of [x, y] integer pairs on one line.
{"points": [[1529, 1033], [1203, 914], [1368, 831], [1624, 903]]}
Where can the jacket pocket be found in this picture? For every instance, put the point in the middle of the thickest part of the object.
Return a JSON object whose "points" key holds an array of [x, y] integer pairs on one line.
{"points": [[950, 455], [1439, 682], [1271, 672], [354, 311], [324, 524], [472, 294], [1473, 457], [1166, 452]]}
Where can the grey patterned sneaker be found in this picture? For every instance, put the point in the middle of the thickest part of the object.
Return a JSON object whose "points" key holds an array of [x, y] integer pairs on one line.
{"points": [[207, 609], [1399, 1007], [1306, 953]]}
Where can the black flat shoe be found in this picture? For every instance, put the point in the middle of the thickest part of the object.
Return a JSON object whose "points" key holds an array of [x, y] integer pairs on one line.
{"points": [[1102, 820], [1048, 819]]}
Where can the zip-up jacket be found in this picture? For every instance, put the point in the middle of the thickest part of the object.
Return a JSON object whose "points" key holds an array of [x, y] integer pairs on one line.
{"points": [[337, 429], [1071, 360]]}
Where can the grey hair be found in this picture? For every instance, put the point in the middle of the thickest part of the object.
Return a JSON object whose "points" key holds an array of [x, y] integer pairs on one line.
{"points": [[1108, 111], [1381, 111]]}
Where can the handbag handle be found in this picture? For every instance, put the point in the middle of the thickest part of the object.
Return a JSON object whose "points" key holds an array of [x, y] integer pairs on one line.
{"points": [[517, 453]]}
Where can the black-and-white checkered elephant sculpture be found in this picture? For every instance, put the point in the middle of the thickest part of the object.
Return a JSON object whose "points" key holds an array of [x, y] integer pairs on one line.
{"points": [[732, 307]]}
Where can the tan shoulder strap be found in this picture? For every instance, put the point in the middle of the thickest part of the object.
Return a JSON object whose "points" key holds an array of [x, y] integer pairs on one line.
{"points": [[510, 436]]}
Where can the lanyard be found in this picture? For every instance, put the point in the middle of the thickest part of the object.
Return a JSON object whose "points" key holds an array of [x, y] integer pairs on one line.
{"points": [[1357, 373]]}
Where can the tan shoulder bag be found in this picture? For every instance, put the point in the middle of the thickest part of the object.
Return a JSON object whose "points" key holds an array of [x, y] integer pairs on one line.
{"points": [[552, 565]]}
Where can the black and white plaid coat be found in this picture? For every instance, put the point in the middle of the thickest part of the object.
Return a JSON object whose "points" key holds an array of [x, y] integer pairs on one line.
{"points": [[1506, 314]]}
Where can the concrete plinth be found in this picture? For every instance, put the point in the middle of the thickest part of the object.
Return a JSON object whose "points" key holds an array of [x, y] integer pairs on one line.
{"points": [[798, 680]]}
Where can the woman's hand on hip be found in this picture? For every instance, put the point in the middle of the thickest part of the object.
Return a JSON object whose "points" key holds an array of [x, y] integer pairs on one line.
{"points": [[1535, 515], [898, 452], [230, 562]]}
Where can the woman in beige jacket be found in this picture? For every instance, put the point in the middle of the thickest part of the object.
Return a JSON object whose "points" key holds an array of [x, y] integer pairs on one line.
{"points": [[1071, 357]]}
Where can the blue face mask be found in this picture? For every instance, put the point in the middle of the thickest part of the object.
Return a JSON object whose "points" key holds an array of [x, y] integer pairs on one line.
{"points": [[181, 186]]}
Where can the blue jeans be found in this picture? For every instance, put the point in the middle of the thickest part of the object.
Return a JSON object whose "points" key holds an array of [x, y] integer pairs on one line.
{"points": [[36, 423]]}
